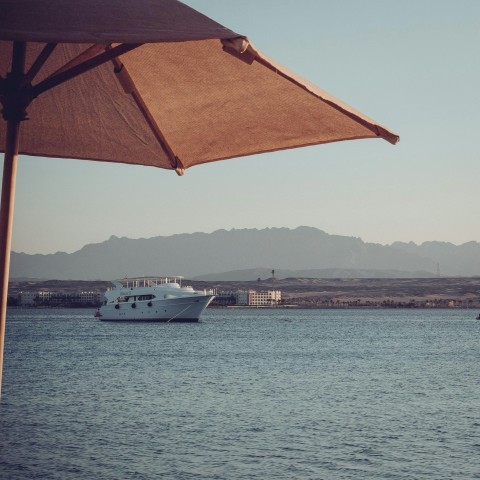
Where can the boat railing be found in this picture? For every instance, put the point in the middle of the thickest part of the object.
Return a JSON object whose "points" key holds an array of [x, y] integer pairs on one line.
{"points": [[154, 282], [138, 282]]}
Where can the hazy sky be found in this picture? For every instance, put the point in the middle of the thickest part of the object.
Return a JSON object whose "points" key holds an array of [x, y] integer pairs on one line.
{"points": [[412, 66]]}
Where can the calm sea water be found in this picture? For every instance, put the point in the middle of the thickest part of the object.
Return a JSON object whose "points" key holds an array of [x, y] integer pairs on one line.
{"points": [[245, 394]]}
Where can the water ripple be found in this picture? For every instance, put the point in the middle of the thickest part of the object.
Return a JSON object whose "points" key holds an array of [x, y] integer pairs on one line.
{"points": [[244, 394]]}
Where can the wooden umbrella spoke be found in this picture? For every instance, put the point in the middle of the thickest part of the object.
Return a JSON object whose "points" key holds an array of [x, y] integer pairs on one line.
{"points": [[38, 63], [87, 54], [129, 87], [79, 68]]}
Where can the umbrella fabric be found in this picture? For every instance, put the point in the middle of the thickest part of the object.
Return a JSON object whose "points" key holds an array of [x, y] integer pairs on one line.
{"points": [[105, 21], [199, 86]]}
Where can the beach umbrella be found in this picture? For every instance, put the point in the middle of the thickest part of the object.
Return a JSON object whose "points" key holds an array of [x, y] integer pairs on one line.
{"points": [[150, 82]]}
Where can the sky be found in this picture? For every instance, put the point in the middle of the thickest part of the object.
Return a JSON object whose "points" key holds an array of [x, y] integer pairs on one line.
{"points": [[412, 66]]}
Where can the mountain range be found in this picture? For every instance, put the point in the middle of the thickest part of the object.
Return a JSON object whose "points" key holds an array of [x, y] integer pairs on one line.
{"points": [[248, 254]]}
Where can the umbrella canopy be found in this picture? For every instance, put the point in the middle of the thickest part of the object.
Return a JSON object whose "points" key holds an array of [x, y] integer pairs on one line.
{"points": [[150, 82], [170, 102]]}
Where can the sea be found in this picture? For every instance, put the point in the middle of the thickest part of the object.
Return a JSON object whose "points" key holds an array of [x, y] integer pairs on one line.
{"points": [[244, 394]]}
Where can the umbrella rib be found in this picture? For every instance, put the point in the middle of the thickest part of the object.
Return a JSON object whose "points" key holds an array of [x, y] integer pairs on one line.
{"points": [[87, 54], [130, 88], [38, 63], [83, 67], [376, 129], [241, 48]]}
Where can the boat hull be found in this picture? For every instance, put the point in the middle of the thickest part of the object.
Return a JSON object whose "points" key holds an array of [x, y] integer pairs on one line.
{"points": [[186, 309]]}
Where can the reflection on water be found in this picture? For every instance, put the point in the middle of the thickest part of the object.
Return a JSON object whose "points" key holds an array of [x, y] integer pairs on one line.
{"points": [[264, 394]]}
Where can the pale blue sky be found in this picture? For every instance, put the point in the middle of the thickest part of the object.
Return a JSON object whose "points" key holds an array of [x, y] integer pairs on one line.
{"points": [[412, 66]]}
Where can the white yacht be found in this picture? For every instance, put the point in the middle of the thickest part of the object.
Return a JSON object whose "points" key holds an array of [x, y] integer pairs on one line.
{"points": [[153, 299]]}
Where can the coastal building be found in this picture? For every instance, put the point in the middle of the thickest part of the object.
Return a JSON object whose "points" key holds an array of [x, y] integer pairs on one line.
{"points": [[26, 299], [264, 298], [225, 299], [32, 298], [58, 298], [91, 297], [242, 297], [259, 299], [45, 295]]}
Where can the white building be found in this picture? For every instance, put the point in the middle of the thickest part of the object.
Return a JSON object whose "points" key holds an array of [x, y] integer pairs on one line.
{"points": [[91, 297], [27, 299], [259, 299], [34, 298]]}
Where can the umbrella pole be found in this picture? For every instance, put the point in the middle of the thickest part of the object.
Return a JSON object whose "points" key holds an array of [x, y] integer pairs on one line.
{"points": [[14, 113], [6, 222]]}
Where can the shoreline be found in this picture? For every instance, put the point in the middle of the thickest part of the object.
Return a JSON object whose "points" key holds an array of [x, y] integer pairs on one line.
{"points": [[322, 293]]}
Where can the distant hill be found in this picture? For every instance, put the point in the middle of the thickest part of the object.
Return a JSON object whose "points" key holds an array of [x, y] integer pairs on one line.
{"points": [[252, 253]]}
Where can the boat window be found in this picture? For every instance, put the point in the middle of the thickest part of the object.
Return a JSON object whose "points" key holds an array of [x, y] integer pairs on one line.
{"points": [[146, 297], [123, 299]]}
